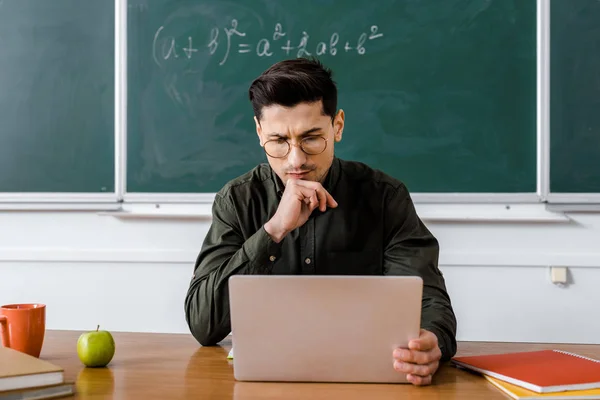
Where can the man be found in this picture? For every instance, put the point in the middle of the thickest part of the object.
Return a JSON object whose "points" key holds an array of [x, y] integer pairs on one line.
{"points": [[308, 212]]}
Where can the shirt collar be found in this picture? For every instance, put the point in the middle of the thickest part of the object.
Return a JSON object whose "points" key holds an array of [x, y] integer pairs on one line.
{"points": [[331, 178], [279, 186]]}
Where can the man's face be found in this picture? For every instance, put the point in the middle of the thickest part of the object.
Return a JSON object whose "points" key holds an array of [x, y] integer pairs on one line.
{"points": [[303, 121]]}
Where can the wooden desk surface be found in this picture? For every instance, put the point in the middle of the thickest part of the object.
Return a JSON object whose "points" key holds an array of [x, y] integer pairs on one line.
{"points": [[169, 366]]}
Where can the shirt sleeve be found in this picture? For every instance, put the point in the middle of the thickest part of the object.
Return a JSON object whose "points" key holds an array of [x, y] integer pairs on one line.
{"points": [[412, 250], [225, 252]]}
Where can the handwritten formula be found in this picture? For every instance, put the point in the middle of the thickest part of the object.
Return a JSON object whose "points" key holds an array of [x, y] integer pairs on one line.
{"points": [[225, 43]]}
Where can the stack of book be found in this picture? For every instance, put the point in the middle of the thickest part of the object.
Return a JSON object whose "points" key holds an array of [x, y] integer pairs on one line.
{"points": [[543, 374], [25, 377]]}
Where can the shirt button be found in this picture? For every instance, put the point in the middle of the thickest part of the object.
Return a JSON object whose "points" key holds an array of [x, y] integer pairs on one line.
{"points": [[272, 258], [307, 260]]}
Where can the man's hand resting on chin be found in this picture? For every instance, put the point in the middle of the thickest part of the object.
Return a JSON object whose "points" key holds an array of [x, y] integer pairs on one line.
{"points": [[420, 361]]}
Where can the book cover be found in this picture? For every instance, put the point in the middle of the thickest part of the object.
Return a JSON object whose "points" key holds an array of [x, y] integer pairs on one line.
{"points": [[39, 393], [541, 371], [519, 393], [19, 370]]}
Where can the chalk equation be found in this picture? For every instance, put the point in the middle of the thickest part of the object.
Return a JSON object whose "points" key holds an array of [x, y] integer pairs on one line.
{"points": [[231, 40]]}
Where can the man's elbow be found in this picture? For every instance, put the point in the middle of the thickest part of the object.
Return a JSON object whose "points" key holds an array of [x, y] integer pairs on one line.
{"points": [[204, 338], [201, 328], [201, 332]]}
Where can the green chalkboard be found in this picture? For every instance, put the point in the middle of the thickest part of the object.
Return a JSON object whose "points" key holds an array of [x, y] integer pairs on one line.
{"points": [[575, 97], [56, 96], [440, 94]]}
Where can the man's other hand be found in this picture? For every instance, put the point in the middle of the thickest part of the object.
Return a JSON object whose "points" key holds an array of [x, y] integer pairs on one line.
{"points": [[420, 361], [298, 201]]}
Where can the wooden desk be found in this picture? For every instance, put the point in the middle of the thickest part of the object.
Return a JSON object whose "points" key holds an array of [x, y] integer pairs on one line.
{"points": [[166, 366]]}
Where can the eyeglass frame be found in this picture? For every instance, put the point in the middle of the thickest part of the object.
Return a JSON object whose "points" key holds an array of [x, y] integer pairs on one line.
{"points": [[296, 145]]}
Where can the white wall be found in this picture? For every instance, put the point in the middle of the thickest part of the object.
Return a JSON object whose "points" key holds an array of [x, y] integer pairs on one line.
{"points": [[131, 274]]}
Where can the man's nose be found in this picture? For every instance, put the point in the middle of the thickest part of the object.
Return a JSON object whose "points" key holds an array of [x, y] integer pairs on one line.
{"points": [[297, 157]]}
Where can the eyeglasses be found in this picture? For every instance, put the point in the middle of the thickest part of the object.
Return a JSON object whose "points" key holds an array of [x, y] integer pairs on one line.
{"points": [[279, 148]]}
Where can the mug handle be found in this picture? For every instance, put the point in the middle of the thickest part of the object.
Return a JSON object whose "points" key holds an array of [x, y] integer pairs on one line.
{"points": [[4, 331]]}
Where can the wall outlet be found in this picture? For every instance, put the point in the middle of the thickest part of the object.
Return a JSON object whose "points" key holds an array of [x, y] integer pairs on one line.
{"points": [[559, 275]]}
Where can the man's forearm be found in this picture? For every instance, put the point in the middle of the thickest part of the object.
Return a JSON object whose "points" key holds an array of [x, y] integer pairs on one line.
{"points": [[207, 300], [438, 317], [413, 250]]}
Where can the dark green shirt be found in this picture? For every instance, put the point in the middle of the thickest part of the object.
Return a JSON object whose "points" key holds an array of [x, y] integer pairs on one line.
{"points": [[373, 231]]}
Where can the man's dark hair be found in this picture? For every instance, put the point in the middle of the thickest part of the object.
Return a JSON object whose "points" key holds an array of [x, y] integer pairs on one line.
{"points": [[291, 82]]}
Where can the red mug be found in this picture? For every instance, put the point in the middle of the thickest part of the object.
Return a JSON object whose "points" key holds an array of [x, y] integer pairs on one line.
{"points": [[22, 327]]}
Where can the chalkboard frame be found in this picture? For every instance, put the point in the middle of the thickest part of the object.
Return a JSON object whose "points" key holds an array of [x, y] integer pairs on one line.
{"points": [[114, 200]]}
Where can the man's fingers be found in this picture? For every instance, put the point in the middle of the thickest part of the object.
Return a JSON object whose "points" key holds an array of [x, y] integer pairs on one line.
{"points": [[416, 356], [325, 198], [419, 380], [416, 369], [331, 201], [420, 360], [308, 193], [322, 199], [320, 195], [314, 201]]}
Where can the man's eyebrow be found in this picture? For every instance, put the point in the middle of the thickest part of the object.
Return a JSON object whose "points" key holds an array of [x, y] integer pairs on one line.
{"points": [[311, 130], [303, 134], [277, 135]]}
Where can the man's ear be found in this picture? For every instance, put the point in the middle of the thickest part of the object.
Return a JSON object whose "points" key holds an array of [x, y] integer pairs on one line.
{"points": [[338, 126], [258, 131]]}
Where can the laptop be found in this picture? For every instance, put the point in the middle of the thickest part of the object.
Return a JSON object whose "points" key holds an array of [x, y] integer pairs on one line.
{"points": [[291, 328]]}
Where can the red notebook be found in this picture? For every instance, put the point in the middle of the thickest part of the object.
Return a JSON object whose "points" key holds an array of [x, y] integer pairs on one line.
{"points": [[542, 371]]}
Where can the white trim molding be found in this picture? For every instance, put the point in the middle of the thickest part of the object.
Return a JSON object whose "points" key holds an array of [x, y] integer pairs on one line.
{"points": [[431, 212], [574, 198], [458, 258], [69, 255]]}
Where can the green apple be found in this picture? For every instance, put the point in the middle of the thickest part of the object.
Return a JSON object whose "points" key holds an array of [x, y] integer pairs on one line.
{"points": [[96, 349]]}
